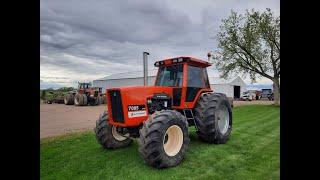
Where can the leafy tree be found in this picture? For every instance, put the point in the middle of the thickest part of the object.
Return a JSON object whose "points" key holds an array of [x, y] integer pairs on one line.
{"points": [[43, 94], [250, 44]]}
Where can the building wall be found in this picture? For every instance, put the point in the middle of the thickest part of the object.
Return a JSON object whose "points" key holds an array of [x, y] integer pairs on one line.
{"points": [[227, 89], [112, 83], [219, 88], [223, 88]]}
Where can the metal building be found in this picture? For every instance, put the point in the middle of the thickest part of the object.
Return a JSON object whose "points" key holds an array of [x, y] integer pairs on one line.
{"points": [[232, 88], [133, 78]]}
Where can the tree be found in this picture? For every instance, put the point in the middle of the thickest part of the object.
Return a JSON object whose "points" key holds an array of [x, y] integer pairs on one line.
{"points": [[43, 94], [250, 44]]}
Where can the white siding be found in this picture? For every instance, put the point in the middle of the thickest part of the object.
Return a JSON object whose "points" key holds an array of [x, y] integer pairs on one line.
{"points": [[223, 88], [112, 83], [218, 85]]}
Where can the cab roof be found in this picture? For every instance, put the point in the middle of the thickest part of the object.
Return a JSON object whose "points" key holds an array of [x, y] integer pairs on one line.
{"points": [[183, 59]]}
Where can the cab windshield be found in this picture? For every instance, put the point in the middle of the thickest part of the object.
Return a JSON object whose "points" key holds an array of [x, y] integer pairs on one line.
{"points": [[170, 76]]}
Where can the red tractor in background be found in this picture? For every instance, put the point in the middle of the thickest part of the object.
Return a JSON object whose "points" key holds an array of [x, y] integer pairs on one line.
{"points": [[160, 115], [84, 95]]}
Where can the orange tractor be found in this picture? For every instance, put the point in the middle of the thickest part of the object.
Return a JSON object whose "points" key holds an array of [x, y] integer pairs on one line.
{"points": [[160, 115], [84, 95]]}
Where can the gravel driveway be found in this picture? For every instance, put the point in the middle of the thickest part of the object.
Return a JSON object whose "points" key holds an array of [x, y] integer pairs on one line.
{"points": [[59, 119]]}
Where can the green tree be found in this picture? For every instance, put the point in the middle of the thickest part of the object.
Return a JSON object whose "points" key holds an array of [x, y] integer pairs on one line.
{"points": [[250, 44], [43, 94]]}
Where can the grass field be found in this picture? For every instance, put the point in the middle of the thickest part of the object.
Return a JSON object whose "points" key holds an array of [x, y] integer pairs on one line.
{"points": [[252, 152]]}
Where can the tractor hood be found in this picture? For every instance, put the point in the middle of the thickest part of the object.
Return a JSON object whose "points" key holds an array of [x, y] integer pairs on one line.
{"points": [[127, 106], [140, 93]]}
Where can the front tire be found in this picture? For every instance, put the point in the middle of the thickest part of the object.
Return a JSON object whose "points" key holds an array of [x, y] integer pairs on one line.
{"points": [[213, 115], [107, 136], [164, 139], [69, 99]]}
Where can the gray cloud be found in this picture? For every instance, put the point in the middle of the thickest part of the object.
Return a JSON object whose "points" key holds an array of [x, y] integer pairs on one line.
{"points": [[90, 39]]}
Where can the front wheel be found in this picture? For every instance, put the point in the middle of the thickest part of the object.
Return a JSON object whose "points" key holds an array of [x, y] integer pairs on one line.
{"points": [[164, 139], [108, 136]]}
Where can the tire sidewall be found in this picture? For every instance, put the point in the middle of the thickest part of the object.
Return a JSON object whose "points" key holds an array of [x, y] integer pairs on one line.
{"points": [[78, 99], [84, 100], [108, 141], [179, 156], [222, 138]]}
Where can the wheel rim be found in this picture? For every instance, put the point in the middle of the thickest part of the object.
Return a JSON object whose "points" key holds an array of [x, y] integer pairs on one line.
{"points": [[223, 120], [173, 140], [118, 136]]}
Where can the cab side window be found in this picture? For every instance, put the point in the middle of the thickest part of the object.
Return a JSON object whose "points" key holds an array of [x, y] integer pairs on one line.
{"points": [[196, 82], [195, 77]]}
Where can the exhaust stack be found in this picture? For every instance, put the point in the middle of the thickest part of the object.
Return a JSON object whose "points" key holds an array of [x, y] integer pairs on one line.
{"points": [[145, 68]]}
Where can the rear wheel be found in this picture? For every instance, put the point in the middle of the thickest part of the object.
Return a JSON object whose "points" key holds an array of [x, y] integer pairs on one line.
{"points": [[213, 115], [101, 100], [97, 101], [108, 136], [80, 100], [164, 139], [69, 99], [94, 101]]}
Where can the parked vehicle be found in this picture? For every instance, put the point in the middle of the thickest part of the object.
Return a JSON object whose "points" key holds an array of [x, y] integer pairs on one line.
{"points": [[258, 94], [267, 94], [248, 96], [84, 95], [54, 97]]}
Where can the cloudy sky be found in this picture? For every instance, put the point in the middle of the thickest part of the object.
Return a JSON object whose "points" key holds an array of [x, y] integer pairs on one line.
{"points": [[83, 40]]}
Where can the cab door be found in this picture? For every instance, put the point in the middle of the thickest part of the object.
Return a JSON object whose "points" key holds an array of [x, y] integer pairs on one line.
{"points": [[196, 82]]}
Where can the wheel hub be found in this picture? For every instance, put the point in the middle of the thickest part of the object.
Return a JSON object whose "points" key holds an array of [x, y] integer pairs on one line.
{"points": [[223, 120], [118, 136], [173, 140]]}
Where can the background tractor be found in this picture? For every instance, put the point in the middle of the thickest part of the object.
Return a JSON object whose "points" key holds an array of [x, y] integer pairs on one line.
{"points": [[160, 115], [53, 96], [84, 95]]}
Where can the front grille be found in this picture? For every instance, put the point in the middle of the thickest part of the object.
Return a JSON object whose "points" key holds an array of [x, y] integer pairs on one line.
{"points": [[116, 106]]}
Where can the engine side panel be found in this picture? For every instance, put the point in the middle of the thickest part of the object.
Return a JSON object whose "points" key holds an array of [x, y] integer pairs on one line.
{"points": [[134, 103]]}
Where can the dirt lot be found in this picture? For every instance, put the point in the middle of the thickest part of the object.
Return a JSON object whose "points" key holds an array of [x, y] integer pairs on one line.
{"points": [[59, 119]]}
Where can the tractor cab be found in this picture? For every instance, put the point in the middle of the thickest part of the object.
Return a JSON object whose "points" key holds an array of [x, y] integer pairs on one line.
{"points": [[186, 75], [84, 85]]}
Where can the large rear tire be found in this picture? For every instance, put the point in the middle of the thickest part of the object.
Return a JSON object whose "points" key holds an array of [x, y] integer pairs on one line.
{"points": [[107, 135], [101, 100], [69, 99], [97, 101], [94, 101], [164, 139], [80, 100], [213, 115]]}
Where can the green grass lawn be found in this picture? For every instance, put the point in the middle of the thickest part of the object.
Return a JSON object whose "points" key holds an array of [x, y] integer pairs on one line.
{"points": [[252, 152]]}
